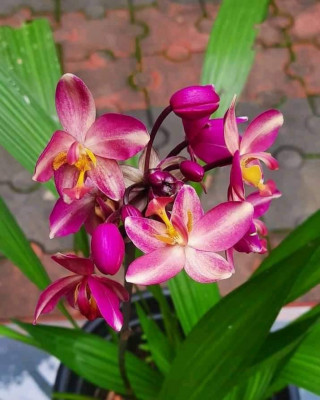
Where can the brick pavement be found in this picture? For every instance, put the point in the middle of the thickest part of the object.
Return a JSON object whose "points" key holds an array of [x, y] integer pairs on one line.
{"points": [[133, 55]]}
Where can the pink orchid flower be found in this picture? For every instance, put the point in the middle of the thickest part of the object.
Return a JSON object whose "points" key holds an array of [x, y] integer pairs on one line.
{"points": [[253, 241], [94, 296], [259, 136], [87, 147], [189, 239]]}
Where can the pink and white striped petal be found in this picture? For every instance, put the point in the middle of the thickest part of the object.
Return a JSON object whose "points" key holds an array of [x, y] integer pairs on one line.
{"points": [[143, 231], [206, 266], [107, 302], [231, 134], [59, 143], [261, 132], [236, 188], [116, 136], [266, 158], [75, 106], [78, 265], [222, 226], [187, 206], [157, 267], [52, 294], [66, 219], [107, 176], [65, 178]]}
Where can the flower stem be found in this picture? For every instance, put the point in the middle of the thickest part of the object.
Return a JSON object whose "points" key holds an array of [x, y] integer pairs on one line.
{"points": [[215, 164], [125, 331], [153, 133], [178, 148]]}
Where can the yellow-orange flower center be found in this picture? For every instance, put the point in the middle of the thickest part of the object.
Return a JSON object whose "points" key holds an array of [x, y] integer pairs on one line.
{"points": [[252, 174]]}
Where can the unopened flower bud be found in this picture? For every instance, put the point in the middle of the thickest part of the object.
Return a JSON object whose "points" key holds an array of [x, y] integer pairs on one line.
{"points": [[129, 211], [193, 171], [195, 102], [107, 248], [157, 178]]}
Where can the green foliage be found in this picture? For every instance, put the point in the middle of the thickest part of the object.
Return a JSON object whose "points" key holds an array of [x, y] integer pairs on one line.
{"points": [[29, 71], [95, 359], [230, 53]]}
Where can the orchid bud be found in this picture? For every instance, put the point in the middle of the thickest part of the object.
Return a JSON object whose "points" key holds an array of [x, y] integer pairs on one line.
{"points": [[157, 178], [195, 102], [129, 211], [193, 171], [107, 248]]}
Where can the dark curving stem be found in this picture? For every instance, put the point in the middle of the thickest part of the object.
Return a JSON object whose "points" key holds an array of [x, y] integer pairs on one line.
{"points": [[153, 133], [178, 148], [125, 331], [215, 164]]}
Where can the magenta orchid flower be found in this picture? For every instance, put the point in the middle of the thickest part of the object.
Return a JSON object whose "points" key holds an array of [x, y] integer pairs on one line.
{"points": [[258, 137], [94, 296], [87, 147], [91, 210], [253, 241], [187, 239]]}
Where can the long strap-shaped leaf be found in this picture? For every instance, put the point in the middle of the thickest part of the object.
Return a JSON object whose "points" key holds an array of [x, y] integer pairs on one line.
{"points": [[227, 338], [15, 246], [230, 52], [96, 359], [29, 71]]}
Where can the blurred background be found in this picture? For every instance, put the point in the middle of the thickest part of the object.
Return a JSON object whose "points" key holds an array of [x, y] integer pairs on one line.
{"points": [[133, 55]]}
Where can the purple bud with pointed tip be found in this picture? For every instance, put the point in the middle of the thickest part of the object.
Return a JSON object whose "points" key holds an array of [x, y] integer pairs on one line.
{"points": [[193, 171], [107, 248], [195, 102], [129, 211], [157, 178]]}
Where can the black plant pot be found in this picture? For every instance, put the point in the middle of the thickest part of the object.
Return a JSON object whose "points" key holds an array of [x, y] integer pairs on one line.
{"points": [[69, 382]]}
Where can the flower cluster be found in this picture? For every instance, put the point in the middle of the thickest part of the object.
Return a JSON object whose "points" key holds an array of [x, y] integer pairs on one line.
{"points": [[153, 205]]}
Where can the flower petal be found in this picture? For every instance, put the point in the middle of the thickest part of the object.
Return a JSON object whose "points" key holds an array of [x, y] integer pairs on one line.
{"points": [[131, 175], [59, 143], [65, 178], [143, 231], [116, 136], [267, 158], [107, 176], [236, 188], [250, 243], [116, 287], [75, 106], [231, 134], [209, 144], [206, 266], [187, 206], [261, 132], [195, 101], [68, 218], [52, 294], [260, 203], [222, 226], [157, 266], [78, 265], [107, 302]]}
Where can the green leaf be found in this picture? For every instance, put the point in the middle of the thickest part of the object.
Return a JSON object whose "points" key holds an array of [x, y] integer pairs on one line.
{"points": [[303, 368], [170, 320], [230, 52], [306, 237], [29, 71], [96, 359], [81, 242], [254, 382], [227, 338], [160, 348], [14, 335], [191, 299], [15, 246]]}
